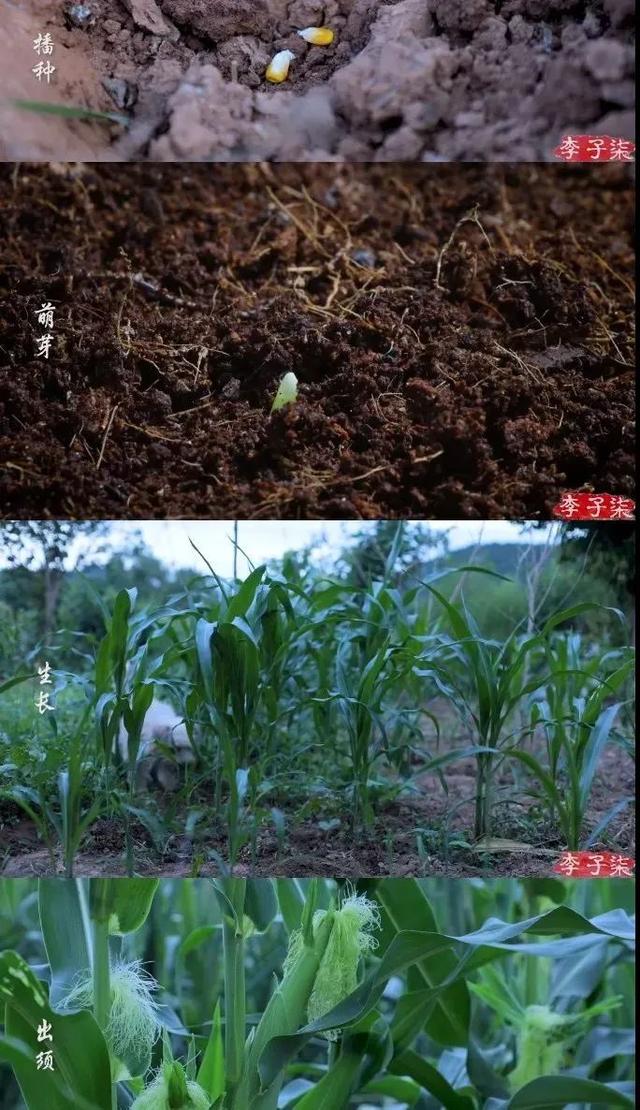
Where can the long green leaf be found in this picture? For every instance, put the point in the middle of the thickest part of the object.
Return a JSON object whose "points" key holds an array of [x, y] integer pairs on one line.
{"points": [[80, 1052], [555, 1092]]}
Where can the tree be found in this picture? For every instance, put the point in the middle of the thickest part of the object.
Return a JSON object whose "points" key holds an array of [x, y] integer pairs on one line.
{"points": [[611, 546], [45, 547], [367, 559]]}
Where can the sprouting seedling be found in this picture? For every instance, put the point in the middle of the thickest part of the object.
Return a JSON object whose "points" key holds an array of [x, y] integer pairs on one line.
{"points": [[317, 36], [287, 392], [278, 69]]}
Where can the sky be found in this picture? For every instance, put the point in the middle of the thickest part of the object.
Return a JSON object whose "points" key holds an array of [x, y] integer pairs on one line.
{"points": [[170, 540], [268, 539]]}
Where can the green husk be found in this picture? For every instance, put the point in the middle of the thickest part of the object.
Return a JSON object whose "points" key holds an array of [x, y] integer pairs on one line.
{"points": [[350, 939]]}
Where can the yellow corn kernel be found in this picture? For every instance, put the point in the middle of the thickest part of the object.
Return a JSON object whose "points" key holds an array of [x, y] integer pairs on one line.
{"points": [[278, 70], [318, 36]]}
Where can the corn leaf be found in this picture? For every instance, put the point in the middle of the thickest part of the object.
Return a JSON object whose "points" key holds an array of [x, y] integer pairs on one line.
{"points": [[80, 1054]]}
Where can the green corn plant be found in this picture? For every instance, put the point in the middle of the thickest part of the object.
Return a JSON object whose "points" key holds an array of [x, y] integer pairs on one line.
{"points": [[248, 665], [229, 703], [135, 647], [488, 682], [506, 995], [578, 687], [314, 698], [362, 713], [65, 816], [375, 652], [74, 820], [577, 723]]}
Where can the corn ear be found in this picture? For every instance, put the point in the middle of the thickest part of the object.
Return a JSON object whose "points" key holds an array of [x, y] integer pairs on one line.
{"points": [[132, 1025], [541, 1048], [286, 1011], [543, 1040], [351, 937], [171, 1090]]}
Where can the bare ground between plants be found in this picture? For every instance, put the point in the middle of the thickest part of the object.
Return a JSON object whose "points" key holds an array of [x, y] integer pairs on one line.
{"points": [[390, 850], [481, 380], [404, 79]]}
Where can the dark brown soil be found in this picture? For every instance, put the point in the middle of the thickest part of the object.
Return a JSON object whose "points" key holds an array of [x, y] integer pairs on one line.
{"points": [[404, 79], [447, 369], [439, 820]]}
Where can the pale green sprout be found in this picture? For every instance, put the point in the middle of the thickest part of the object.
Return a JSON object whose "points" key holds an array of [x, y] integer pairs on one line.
{"points": [[287, 392]]}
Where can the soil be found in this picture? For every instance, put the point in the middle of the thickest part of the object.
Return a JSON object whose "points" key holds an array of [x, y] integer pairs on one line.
{"points": [[40, 135], [524, 844], [449, 366], [449, 80]]}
